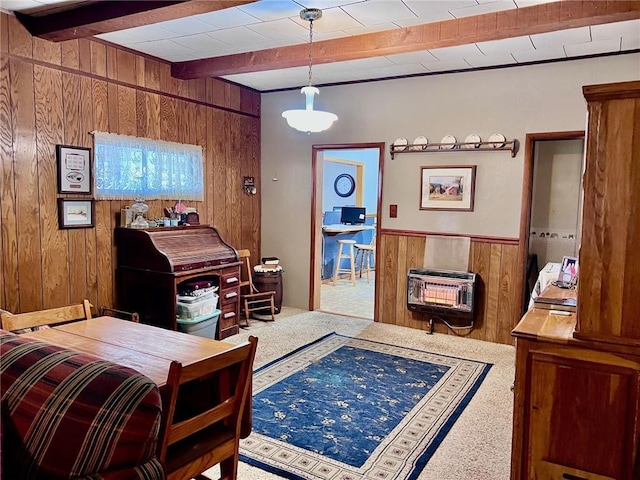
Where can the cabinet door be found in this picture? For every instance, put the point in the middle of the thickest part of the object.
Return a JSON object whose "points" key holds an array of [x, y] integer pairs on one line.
{"points": [[582, 418]]}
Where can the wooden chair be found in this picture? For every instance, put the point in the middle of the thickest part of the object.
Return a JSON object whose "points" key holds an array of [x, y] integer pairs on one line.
{"points": [[51, 316], [112, 312], [367, 256], [251, 300], [193, 439]]}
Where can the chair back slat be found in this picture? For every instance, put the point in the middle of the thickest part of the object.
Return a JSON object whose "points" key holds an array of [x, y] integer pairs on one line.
{"points": [[51, 316], [212, 364], [185, 428]]}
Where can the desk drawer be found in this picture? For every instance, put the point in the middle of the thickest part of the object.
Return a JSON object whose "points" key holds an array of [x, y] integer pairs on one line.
{"points": [[229, 295], [228, 321], [228, 317], [230, 278]]}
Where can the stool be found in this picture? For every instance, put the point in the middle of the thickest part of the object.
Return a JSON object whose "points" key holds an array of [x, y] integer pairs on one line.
{"points": [[350, 256], [366, 258]]}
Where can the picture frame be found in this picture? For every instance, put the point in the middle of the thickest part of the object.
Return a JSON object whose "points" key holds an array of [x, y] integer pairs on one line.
{"points": [[447, 187], [568, 274], [76, 213], [74, 169]]}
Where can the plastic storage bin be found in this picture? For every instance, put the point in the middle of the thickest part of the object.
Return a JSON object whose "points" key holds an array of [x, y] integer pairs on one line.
{"points": [[197, 298], [195, 287], [197, 308], [202, 326]]}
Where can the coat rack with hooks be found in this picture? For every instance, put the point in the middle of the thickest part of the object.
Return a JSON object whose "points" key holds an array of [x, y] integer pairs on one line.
{"points": [[511, 145]]}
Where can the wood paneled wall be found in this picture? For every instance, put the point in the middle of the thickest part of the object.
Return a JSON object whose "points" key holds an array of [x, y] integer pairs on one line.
{"points": [[499, 295], [56, 93]]}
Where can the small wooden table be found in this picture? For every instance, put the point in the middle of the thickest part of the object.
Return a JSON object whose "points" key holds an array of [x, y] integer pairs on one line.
{"points": [[145, 348]]}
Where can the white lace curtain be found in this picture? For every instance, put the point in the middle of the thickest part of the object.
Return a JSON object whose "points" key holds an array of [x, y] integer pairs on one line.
{"points": [[130, 167]]}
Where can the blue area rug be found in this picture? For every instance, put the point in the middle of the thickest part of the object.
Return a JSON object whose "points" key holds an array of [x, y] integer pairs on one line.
{"points": [[343, 408]]}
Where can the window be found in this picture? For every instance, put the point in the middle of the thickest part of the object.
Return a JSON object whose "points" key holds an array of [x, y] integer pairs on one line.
{"points": [[129, 167]]}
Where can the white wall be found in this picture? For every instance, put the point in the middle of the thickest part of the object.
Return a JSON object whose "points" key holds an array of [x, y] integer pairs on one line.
{"points": [[368, 158], [557, 178], [512, 101], [330, 171]]}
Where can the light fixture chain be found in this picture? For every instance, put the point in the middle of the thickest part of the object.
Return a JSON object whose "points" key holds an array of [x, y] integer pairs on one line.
{"points": [[310, 48]]}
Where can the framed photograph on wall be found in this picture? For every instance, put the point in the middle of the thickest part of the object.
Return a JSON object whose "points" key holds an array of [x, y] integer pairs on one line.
{"points": [[447, 188], [74, 213], [74, 169]]}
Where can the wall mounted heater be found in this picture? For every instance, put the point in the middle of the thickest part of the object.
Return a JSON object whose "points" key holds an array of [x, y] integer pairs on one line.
{"points": [[443, 294]]}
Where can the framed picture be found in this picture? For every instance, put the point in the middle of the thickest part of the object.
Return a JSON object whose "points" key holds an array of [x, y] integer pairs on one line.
{"points": [[74, 169], [568, 271], [447, 188], [75, 213]]}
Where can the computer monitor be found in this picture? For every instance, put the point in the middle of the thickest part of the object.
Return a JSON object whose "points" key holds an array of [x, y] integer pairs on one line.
{"points": [[352, 215], [331, 218]]}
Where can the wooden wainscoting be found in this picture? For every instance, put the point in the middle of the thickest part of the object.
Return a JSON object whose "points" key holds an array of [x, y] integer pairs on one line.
{"points": [[499, 295], [56, 93]]}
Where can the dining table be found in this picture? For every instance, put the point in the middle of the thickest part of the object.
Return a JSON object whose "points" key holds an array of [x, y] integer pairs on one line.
{"points": [[144, 348]]}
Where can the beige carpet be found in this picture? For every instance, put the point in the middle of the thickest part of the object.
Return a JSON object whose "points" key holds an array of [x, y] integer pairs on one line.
{"points": [[478, 447]]}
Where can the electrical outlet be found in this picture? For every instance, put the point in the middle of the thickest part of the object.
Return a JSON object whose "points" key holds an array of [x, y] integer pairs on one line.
{"points": [[393, 211]]}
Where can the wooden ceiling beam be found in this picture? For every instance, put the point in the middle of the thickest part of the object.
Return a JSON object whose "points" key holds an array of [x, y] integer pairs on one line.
{"points": [[518, 22], [110, 16]]}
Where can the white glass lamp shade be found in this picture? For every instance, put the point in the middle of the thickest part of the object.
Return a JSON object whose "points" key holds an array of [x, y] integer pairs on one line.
{"points": [[309, 120]]}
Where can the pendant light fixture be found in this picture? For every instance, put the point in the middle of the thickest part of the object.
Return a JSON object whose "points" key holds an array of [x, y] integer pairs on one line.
{"points": [[310, 120]]}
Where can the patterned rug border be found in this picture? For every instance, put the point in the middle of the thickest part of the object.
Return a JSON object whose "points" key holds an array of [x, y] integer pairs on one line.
{"points": [[424, 457]]}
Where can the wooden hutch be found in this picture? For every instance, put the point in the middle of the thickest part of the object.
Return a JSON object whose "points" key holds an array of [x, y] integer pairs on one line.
{"points": [[577, 388], [153, 262]]}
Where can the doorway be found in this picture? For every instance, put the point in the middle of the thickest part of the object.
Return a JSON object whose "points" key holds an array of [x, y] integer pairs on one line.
{"points": [[344, 175], [552, 202]]}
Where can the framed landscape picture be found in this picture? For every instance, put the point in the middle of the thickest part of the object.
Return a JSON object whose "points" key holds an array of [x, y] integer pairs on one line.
{"points": [[75, 213], [447, 188], [74, 169]]}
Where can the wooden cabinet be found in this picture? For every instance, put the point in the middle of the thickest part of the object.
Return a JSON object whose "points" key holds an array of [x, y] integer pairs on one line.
{"points": [[577, 387], [609, 308], [153, 263], [576, 409]]}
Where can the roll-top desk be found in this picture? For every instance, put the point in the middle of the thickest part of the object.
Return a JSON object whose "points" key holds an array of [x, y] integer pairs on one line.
{"points": [[152, 263]]}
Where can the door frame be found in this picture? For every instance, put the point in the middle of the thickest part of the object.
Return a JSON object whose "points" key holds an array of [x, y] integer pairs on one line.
{"points": [[527, 192], [316, 217]]}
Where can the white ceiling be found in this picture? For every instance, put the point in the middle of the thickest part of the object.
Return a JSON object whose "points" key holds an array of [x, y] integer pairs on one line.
{"points": [[276, 23]]}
